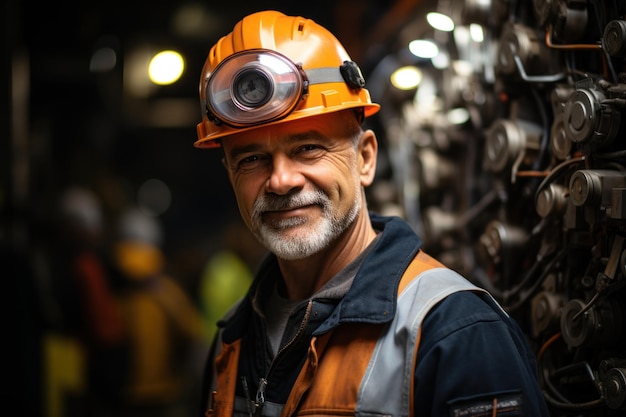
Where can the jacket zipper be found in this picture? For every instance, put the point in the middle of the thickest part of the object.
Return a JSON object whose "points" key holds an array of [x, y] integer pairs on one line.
{"points": [[255, 407]]}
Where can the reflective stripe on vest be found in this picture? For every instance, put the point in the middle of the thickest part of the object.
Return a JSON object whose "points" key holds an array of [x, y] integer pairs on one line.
{"points": [[387, 386], [354, 370], [359, 373]]}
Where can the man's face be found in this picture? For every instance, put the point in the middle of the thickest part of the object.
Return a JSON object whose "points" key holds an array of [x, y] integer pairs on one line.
{"points": [[297, 184]]}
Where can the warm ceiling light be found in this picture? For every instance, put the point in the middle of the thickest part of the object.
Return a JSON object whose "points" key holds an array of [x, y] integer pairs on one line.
{"points": [[463, 68], [166, 67], [406, 78], [476, 32], [422, 48], [440, 21], [458, 116], [441, 61]]}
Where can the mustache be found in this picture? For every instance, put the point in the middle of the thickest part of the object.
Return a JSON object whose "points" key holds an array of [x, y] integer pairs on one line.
{"points": [[273, 202]]}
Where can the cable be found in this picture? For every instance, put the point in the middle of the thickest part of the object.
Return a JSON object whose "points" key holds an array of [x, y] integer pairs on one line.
{"points": [[556, 170]]}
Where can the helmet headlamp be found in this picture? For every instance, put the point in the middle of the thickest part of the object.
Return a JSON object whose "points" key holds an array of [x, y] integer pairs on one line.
{"points": [[260, 86]]}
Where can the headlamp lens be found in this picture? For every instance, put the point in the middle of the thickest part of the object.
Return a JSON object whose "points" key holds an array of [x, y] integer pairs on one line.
{"points": [[254, 87]]}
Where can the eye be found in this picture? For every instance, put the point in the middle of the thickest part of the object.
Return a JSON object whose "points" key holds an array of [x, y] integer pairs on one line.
{"points": [[310, 147], [250, 162], [310, 150], [249, 159]]}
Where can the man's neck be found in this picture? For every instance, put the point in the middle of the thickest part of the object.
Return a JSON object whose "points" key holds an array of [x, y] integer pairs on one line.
{"points": [[304, 277]]}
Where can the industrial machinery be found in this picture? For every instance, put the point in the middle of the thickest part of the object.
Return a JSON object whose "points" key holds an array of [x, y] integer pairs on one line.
{"points": [[526, 196]]}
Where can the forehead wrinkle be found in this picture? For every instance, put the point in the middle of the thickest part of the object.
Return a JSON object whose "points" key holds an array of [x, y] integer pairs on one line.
{"points": [[273, 139], [308, 135], [243, 148], [268, 138]]}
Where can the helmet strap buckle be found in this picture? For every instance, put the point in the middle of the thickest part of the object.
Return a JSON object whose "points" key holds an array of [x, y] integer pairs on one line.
{"points": [[305, 81], [352, 75]]}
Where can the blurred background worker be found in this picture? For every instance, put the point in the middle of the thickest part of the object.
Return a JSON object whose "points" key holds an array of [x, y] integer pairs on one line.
{"points": [[87, 335], [122, 337], [163, 324], [227, 273]]}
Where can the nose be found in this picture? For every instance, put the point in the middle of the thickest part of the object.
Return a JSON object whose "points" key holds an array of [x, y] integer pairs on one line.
{"points": [[285, 176]]}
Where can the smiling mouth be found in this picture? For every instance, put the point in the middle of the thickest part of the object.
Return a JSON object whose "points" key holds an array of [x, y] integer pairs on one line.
{"points": [[294, 215], [290, 211]]}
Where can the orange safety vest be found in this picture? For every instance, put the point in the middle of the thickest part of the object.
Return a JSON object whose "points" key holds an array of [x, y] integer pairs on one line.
{"points": [[354, 369]]}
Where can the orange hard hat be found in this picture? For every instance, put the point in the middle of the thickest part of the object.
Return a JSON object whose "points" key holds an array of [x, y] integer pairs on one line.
{"points": [[274, 68]]}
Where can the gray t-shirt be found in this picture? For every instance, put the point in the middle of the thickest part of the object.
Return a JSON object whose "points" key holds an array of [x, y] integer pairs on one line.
{"points": [[278, 308]]}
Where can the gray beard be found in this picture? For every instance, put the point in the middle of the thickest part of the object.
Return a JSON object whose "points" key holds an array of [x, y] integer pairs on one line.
{"points": [[306, 243]]}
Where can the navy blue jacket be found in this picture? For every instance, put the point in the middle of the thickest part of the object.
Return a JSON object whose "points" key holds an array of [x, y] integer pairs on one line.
{"points": [[469, 346]]}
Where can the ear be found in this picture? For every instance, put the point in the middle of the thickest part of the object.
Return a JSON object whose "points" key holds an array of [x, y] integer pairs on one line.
{"points": [[368, 152]]}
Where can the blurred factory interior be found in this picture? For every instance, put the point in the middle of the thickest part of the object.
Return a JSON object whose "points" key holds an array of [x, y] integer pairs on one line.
{"points": [[506, 153], [88, 137]]}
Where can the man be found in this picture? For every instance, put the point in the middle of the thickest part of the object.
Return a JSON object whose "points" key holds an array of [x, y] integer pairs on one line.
{"points": [[346, 316]]}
